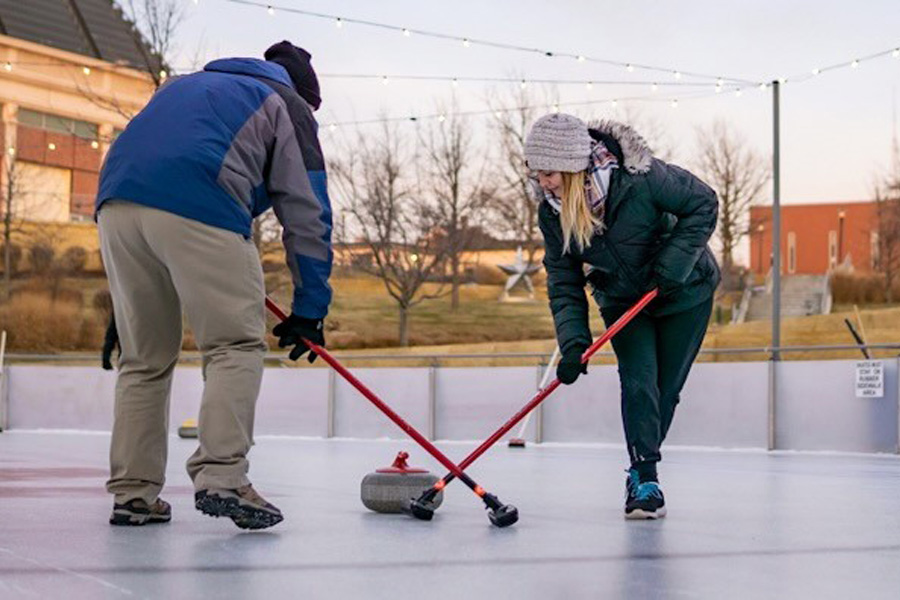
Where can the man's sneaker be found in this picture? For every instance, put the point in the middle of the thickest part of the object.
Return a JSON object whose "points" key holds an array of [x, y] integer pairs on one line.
{"points": [[243, 505], [137, 512], [631, 485], [648, 502]]}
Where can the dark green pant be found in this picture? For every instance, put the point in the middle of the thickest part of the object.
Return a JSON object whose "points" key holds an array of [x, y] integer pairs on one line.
{"points": [[655, 355]]}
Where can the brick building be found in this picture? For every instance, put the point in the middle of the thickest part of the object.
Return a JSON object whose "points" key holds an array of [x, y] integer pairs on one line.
{"points": [[816, 238], [71, 74]]}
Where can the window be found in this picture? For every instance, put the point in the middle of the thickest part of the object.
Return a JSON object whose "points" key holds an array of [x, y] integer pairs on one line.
{"points": [[832, 249], [57, 124], [792, 252], [875, 250], [44, 193]]}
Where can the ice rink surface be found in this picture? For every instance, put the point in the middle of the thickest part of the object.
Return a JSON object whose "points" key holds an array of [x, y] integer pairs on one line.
{"points": [[741, 525]]}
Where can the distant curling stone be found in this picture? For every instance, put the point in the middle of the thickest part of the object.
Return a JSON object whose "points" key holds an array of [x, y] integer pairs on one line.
{"points": [[391, 489], [188, 429]]}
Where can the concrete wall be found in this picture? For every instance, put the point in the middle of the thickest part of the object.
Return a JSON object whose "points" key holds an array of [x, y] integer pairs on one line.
{"points": [[723, 404]]}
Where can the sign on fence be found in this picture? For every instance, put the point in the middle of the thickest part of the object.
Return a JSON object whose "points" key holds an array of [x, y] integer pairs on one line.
{"points": [[870, 379]]}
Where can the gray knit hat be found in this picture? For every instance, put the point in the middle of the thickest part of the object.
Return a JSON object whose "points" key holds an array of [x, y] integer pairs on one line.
{"points": [[558, 142]]}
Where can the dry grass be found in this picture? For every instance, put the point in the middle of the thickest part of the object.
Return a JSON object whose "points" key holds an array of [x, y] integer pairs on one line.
{"points": [[34, 323]]}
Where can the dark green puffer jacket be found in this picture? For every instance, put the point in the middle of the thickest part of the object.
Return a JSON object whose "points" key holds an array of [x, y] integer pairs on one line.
{"points": [[658, 221]]}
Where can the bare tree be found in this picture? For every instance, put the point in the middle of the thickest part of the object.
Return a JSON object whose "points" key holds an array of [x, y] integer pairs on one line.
{"points": [[392, 219], [22, 201], [513, 207], [456, 178], [739, 175], [155, 24], [887, 225]]}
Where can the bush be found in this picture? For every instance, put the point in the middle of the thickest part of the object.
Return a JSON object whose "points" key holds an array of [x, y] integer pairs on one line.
{"points": [[861, 289], [41, 257], [102, 304], [73, 260], [35, 324], [15, 257]]}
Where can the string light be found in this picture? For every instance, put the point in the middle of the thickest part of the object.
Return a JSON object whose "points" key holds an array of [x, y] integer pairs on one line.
{"points": [[523, 84], [86, 70], [95, 144], [580, 58], [51, 146], [675, 103], [854, 64], [718, 89], [615, 103], [896, 53], [677, 74], [589, 85], [271, 11], [556, 108], [385, 80], [442, 117], [332, 127], [738, 93], [763, 87], [8, 66], [816, 71], [466, 41], [163, 74], [339, 22], [406, 33], [455, 82], [11, 151], [629, 68]]}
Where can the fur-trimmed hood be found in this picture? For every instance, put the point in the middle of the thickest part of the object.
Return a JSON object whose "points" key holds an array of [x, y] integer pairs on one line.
{"points": [[635, 150]]}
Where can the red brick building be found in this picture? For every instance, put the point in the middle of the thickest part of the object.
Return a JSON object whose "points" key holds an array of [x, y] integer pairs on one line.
{"points": [[70, 75], [816, 237]]}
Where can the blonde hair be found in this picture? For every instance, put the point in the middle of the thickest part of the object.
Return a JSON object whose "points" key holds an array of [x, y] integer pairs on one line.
{"points": [[575, 216]]}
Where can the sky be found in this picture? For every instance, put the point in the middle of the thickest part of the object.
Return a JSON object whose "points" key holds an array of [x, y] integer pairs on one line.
{"points": [[836, 128]]}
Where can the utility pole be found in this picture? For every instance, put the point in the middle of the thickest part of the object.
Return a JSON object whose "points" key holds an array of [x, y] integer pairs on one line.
{"points": [[776, 222]]}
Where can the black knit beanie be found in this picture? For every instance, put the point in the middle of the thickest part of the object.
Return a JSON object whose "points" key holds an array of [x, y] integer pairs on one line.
{"points": [[297, 62]]}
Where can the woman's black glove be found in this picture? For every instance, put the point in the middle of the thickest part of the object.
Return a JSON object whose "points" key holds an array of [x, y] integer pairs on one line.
{"points": [[291, 332], [110, 342], [665, 286], [570, 365]]}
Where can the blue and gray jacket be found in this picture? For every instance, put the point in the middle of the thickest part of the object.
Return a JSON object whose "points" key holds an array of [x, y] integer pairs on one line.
{"points": [[223, 145]]}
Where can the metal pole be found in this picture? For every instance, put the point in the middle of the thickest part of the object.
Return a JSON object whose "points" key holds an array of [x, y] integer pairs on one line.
{"points": [[776, 223], [432, 401], [898, 405], [332, 384], [772, 421], [4, 396]]}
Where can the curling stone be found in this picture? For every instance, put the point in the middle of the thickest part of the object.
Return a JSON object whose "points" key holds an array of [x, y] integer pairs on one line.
{"points": [[188, 429], [391, 489]]}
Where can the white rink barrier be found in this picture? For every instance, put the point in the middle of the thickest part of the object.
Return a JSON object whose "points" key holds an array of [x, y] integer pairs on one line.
{"points": [[808, 405]]}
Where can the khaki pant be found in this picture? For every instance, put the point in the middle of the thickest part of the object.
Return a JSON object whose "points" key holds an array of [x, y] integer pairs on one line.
{"points": [[157, 264]]}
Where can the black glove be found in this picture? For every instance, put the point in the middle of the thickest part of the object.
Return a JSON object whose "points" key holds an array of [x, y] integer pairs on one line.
{"points": [[110, 343], [570, 365], [666, 287], [291, 332]]}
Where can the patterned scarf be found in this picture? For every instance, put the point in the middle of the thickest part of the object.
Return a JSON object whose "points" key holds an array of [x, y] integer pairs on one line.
{"points": [[596, 185]]}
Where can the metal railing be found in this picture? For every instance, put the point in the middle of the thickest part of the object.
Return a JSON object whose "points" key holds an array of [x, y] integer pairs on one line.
{"points": [[280, 358]]}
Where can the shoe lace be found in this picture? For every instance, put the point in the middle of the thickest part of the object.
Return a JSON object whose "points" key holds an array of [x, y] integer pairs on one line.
{"points": [[648, 490]]}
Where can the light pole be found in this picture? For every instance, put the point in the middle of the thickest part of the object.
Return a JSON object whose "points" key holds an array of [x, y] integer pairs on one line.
{"points": [[759, 247], [840, 256]]}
